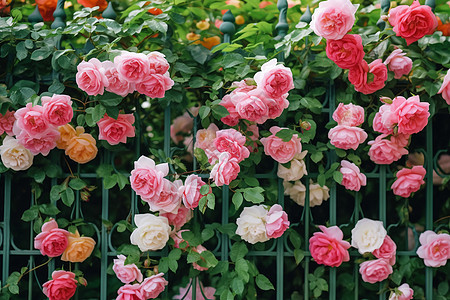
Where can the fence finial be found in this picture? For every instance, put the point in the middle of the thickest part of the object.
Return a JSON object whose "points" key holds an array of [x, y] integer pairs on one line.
{"points": [[60, 15], [35, 16], [431, 3], [307, 15], [282, 26], [109, 12], [227, 27]]}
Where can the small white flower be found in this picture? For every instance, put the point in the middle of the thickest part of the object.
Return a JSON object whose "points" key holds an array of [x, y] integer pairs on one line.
{"points": [[14, 155], [152, 232], [368, 235], [252, 224]]}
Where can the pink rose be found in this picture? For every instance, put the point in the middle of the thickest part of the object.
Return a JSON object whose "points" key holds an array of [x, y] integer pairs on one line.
{"points": [[375, 270], [403, 292], [90, 77], [154, 85], [445, 88], [328, 247], [116, 85], [186, 292], [42, 144], [346, 52], [52, 241], [32, 120], [147, 178], [178, 239], [152, 286], [126, 273], [183, 124], [6, 122], [280, 151], [57, 109], [434, 248], [191, 191], [408, 181], [233, 142], [132, 67], [275, 80], [116, 131], [333, 19], [244, 86], [275, 107], [357, 75], [199, 249], [399, 63], [352, 179], [382, 120], [349, 114], [225, 170], [168, 199], [276, 222], [179, 217], [413, 22], [347, 137], [387, 250], [233, 118], [130, 292], [251, 105], [385, 152], [158, 64], [377, 71], [62, 286], [205, 137], [410, 114]]}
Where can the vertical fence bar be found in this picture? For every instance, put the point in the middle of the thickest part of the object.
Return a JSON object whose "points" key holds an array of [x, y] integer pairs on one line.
{"points": [[104, 237], [6, 228], [429, 204]]}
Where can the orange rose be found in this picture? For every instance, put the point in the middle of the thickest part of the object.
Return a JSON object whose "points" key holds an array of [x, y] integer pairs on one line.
{"points": [[191, 36], [67, 132], [46, 8], [203, 25], [445, 28], [82, 148], [155, 11], [239, 20], [210, 42], [91, 3], [79, 248]]}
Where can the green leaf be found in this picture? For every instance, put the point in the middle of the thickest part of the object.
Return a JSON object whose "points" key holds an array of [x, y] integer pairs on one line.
{"points": [[205, 189], [30, 214], [175, 254], [251, 181], [219, 111], [210, 259], [98, 113], [204, 111], [232, 59], [338, 176], [68, 197], [77, 184], [237, 200], [37, 174], [295, 239], [443, 288], [238, 250], [13, 289], [196, 82], [254, 195], [193, 257], [56, 87], [22, 52], [211, 201], [312, 104], [110, 181], [55, 193], [104, 170], [237, 286], [221, 267], [298, 255], [163, 265], [286, 134], [122, 180], [207, 234], [110, 99], [317, 156], [264, 283], [242, 269], [41, 53], [49, 209]]}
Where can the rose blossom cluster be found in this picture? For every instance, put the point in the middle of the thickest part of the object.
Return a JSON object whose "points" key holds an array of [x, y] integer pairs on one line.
{"points": [[297, 192], [78, 145], [54, 241], [434, 248], [397, 119], [35, 128], [261, 98], [146, 74], [369, 236], [257, 224], [148, 288], [347, 135]]}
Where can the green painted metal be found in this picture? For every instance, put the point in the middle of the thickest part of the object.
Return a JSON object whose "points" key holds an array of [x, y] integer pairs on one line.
{"points": [[385, 5], [280, 250], [109, 12], [60, 15]]}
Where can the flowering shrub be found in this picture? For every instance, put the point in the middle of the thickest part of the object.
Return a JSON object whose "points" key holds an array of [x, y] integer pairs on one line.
{"points": [[191, 164]]}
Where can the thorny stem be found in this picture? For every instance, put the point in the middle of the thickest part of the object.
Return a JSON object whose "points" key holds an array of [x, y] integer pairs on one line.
{"points": [[443, 218], [29, 271], [68, 166]]}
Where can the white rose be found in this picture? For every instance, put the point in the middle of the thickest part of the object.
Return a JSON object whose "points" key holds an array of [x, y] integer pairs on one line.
{"points": [[152, 232], [317, 194], [251, 224], [14, 155], [297, 192], [368, 235], [297, 169]]}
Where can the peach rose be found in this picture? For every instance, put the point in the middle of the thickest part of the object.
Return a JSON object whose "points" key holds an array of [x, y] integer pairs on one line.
{"points": [[79, 248], [66, 133], [445, 88], [82, 148]]}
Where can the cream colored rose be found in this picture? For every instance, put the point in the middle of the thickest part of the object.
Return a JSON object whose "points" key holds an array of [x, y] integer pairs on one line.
{"points": [[252, 224], [297, 192], [152, 232], [297, 169], [317, 194], [14, 155], [368, 235]]}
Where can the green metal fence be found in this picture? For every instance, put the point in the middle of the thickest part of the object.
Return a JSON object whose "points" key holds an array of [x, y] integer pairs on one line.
{"points": [[276, 261]]}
